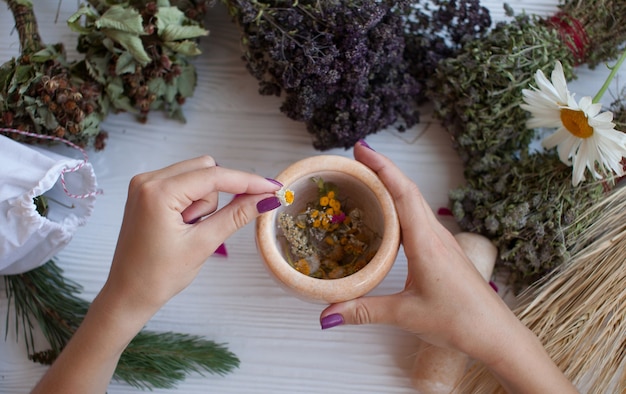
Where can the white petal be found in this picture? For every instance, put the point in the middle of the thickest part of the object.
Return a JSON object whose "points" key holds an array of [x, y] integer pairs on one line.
{"points": [[604, 117], [547, 88], [559, 82], [578, 174], [568, 148], [555, 138]]}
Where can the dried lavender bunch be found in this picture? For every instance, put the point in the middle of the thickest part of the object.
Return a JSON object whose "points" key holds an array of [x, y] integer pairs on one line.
{"points": [[41, 92], [437, 29], [140, 52], [526, 206], [340, 64]]}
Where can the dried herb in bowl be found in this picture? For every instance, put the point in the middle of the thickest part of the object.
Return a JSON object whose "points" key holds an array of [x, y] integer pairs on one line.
{"points": [[328, 239]]}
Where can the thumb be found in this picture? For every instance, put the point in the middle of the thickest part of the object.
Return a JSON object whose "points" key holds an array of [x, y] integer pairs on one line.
{"points": [[364, 310], [239, 212]]}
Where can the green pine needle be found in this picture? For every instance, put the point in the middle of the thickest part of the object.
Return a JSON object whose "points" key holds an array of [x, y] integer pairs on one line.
{"points": [[45, 297]]}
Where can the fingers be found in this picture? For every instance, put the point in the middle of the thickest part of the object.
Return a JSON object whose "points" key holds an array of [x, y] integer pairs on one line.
{"points": [[182, 167], [364, 310], [416, 216], [226, 221], [202, 184]]}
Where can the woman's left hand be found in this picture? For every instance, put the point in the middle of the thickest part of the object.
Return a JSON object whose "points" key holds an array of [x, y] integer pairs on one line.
{"points": [[171, 226]]}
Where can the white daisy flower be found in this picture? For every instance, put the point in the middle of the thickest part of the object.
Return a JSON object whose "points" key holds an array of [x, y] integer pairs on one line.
{"points": [[286, 196], [584, 136]]}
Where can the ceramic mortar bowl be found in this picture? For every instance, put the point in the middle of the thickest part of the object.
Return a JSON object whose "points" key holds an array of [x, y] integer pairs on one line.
{"points": [[363, 189]]}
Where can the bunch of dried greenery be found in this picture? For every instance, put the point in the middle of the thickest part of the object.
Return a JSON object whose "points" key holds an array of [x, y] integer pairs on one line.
{"points": [[140, 51], [578, 312], [43, 93], [521, 199]]}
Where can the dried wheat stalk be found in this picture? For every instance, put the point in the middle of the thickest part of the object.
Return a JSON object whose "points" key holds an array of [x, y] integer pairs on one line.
{"points": [[579, 312]]}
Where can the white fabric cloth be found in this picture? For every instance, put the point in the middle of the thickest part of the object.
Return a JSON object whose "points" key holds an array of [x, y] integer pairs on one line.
{"points": [[27, 239]]}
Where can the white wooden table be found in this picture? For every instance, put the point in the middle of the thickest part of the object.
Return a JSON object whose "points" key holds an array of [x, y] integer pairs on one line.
{"points": [[233, 300]]}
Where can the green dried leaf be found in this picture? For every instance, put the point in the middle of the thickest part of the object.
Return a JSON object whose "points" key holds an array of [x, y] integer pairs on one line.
{"points": [[91, 125], [125, 64], [50, 52], [23, 73], [169, 16], [170, 93], [97, 67], [187, 48], [74, 21], [132, 44], [6, 74], [171, 25], [115, 93], [174, 33], [123, 19], [157, 86], [49, 121], [109, 44], [187, 81]]}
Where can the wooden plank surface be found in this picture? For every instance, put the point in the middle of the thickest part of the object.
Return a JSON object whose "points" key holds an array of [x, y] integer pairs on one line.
{"points": [[234, 300]]}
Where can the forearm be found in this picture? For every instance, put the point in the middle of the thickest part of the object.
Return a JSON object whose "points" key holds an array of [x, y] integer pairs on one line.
{"points": [[89, 360], [520, 363]]}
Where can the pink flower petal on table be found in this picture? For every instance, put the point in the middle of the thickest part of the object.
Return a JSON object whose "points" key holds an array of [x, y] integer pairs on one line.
{"points": [[221, 250], [444, 212]]}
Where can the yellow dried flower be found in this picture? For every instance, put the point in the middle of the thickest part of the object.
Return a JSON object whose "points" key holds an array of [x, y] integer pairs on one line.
{"points": [[286, 196]]}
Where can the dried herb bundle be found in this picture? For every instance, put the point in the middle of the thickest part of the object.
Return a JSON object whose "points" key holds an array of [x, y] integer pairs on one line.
{"points": [[151, 360], [345, 67], [436, 30], [140, 52], [41, 92], [340, 64], [509, 197], [578, 312], [526, 207]]}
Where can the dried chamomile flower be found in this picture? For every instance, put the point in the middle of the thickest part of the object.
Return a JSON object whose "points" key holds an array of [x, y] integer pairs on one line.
{"points": [[286, 196]]}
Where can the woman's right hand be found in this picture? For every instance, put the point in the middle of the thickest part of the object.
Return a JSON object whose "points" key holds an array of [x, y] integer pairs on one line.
{"points": [[446, 301], [444, 294]]}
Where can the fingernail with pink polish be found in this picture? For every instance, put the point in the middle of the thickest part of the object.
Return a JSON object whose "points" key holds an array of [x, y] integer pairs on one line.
{"points": [[268, 204], [275, 182], [331, 321], [365, 144], [194, 221]]}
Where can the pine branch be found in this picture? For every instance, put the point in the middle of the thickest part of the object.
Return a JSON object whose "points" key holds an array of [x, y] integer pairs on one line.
{"points": [[141, 366], [43, 296]]}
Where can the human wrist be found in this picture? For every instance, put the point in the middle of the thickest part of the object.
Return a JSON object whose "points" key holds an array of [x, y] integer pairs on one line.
{"points": [[122, 311]]}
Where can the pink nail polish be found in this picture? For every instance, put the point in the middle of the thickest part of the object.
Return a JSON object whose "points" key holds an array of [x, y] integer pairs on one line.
{"points": [[274, 181], [331, 321], [268, 204], [365, 144]]}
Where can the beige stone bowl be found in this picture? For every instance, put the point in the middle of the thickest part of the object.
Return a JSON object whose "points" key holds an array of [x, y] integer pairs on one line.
{"points": [[364, 190]]}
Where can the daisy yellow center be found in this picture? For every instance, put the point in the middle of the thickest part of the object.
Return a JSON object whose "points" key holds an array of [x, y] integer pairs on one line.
{"points": [[575, 121], [289, 196]]}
